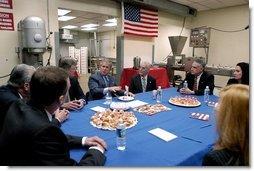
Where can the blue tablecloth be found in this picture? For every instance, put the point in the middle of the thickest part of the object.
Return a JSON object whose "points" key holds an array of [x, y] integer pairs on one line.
{"points": [[195, 137]]}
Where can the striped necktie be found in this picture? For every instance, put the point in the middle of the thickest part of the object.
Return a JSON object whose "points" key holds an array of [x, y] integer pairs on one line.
{"points": [[195, 86], [143, 81]]}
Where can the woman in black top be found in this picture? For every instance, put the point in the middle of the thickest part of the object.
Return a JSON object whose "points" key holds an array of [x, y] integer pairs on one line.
{"points": [[232, 146], [241, 74]]}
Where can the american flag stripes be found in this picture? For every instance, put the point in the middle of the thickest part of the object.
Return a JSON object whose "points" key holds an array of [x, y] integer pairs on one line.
{"points": [[140, 21]]}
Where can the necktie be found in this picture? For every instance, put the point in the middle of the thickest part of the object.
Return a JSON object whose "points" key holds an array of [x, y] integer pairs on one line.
{"points": [[106, 80], [195, 86], [143, 81]]}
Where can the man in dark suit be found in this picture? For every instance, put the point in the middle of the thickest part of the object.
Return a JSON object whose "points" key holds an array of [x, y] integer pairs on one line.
{"points": [[198, 79], [143, 82], [102, 82], [30, 138], [18, 88], [75, 96]]}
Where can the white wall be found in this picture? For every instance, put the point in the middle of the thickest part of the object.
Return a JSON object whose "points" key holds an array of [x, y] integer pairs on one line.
{"points": [[171, 25], [226, 48], [107, 43], [47, 10], [9, 39], [137, 46]]}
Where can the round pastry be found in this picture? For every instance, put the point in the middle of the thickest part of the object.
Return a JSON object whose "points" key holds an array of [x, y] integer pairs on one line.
{"points": [[109, 119]]}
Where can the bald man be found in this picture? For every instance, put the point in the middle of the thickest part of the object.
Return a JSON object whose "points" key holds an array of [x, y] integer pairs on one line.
{"points": [[143, 82]]}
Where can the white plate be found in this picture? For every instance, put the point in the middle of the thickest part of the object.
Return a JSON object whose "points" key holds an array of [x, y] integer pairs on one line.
{"points": [[183, 105], [112, 129], [119, 106], [126, 98]]}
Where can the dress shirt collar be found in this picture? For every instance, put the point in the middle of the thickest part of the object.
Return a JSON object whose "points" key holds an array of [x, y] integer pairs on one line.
{"points": [[145, 77], [198, 78], [20, 96], [49, 115]]}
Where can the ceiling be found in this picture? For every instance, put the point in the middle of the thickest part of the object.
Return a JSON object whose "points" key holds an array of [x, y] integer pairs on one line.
{"points": [[83, 17], [202, 5]]}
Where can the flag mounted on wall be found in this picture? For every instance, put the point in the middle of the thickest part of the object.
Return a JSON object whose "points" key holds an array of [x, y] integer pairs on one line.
{"points": [[140, 21]]}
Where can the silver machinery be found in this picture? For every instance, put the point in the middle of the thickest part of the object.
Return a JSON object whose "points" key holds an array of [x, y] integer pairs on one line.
{"points": [[199, 38], [177, 60], [32, 40]]}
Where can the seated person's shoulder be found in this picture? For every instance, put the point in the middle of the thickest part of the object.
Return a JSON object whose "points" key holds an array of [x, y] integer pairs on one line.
{"points": [[151, 77], [232, 81]]}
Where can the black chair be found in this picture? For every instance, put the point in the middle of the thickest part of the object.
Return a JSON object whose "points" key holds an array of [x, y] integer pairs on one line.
{"points": [[88, 97]]}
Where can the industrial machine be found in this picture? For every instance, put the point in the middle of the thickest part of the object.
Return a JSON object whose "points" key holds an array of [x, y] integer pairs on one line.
{"points": [[200, 38], [32, 40]]}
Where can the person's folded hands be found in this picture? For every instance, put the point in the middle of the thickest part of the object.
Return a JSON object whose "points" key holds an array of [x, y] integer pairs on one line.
{"points": [[73, 105], [96, 141], [61, 115]]}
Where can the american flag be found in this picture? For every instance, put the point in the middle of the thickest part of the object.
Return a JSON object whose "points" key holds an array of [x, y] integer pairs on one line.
{"points": [[140, 21]]}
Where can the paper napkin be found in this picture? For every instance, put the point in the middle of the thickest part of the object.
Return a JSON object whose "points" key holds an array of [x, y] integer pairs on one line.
{"points": [[161, 133], [98, 109], [136, 103]]}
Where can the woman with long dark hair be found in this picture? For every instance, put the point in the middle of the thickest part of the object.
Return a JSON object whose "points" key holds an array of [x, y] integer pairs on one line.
{"points": [[241, 74]]}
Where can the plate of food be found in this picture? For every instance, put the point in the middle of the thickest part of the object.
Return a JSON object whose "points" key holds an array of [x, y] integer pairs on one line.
{"points": [[184, 101], [126, 98], [151, 109], [119, 106], [109, 119]]}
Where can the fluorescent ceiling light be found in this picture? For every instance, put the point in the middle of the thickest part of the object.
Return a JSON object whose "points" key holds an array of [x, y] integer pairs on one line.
{"points": [[89, 28], [112, 20], [69, 27], [65, 18], [90, 25], [62, 12], [110, 24]]}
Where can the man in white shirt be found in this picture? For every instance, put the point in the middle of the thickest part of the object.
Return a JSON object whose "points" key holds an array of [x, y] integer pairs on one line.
{"points": [[198, 79], [143, 81]]}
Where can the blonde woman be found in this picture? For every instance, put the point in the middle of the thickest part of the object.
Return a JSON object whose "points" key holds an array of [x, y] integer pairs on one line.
{"points": [[232, 146]]}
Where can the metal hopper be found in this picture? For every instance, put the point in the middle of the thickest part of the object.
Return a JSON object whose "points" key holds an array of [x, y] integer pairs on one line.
{"points": [[177, 43]]}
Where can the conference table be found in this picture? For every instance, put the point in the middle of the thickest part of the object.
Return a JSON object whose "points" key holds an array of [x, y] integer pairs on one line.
{"points": [[158, 73], [194, 137]]}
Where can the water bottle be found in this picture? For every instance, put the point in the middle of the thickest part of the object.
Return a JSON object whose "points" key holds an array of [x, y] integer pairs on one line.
{"points": [[121, 136], [159, 95], [206, 94], [108, 98], [185, 84]]}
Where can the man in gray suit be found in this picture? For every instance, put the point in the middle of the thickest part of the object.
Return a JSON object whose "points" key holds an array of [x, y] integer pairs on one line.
{"points": [[102, 83]]}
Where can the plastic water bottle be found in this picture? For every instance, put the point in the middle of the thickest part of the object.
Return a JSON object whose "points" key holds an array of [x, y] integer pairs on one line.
{"points": [[185, 84], [159, 95], [121, 136], [206, 94], [108, 98]]}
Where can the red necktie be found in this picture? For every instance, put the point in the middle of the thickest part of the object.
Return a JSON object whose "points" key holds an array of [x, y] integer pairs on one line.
{"points": [[195, 86]]}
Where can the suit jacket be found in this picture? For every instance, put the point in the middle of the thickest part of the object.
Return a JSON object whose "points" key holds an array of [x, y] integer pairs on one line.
{"points": [[29, 138], [8, 94], [232, 81], [206, 79], [222, 157], [97, 84], [75, 90], [136, 85]]}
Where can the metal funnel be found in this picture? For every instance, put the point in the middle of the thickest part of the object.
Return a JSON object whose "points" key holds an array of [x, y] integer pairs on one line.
{"points": [[177, 43]]}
